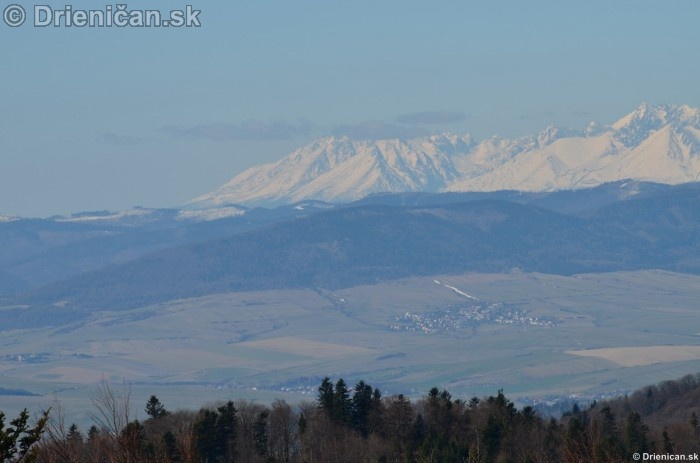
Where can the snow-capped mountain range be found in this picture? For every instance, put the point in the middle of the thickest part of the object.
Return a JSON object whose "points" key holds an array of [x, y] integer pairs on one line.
{"points": [[653, 143]]}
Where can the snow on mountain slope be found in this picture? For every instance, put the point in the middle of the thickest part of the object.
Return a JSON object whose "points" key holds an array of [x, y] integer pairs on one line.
{"points": [[652, 143], [342, 169], [573, 162], [662, 157], [8, 218], [107, 216], [207, 215]]}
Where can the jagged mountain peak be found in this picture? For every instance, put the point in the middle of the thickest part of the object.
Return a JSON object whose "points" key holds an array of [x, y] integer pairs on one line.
{"points": [[553, 132], [652, 143], [594, 128], [548, 135], [685, 115], [340, 169], [644, 112], [635, 127], [640, 123]]}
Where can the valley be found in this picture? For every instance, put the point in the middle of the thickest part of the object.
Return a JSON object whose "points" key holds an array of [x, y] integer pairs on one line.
{"points": [[614, 332]]}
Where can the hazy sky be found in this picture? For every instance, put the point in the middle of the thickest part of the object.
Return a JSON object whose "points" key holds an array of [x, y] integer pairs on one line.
{"points": [[94, 119]]}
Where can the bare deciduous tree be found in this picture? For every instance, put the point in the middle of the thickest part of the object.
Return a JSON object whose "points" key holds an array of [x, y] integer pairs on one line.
{"points": [[59, 447], [283, 424], [111, 415]]}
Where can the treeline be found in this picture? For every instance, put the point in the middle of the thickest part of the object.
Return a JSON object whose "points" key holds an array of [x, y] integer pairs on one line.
{"points": [[357, 424]]}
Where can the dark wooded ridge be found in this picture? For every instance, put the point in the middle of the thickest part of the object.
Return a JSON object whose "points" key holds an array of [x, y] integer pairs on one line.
{"points": [[359, 425]]}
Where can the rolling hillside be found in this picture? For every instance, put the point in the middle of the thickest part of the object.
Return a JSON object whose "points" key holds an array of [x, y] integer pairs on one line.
{"points": [[364, 244]]}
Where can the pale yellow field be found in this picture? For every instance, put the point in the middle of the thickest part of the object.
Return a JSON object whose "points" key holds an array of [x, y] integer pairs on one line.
{"points": [[75, 374], [307, 347], [641, 356]]}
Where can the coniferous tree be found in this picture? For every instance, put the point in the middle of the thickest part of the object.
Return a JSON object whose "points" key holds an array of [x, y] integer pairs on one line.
{"points": [[491, 437], [610, 443], [575, 410], [341, 402], [260, 433], [17, 441], [74, 434], [93, 433], [360, 408], [215, 433], [155, 409], [326, 396], [74, 442], [636, 435], [172, 452], [132, 441], [667, 445], [474, 402], [552, 441], [375, 420], [94, 444], [209, 447], [302, 424], [577, 443], [226, 429]]}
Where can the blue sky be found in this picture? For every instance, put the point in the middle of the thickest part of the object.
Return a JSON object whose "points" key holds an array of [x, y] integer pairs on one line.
{"points": [[94, 119]]}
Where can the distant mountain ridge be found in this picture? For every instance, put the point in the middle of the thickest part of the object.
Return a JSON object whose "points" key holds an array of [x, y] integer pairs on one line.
{"points": [[649, 227], [35, 252], [653, 143]]}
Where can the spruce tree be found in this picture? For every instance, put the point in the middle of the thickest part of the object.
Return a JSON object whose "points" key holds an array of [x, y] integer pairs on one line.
{"points": [[341, 405], [636, 435], [667, 445], [226, 429], [260, 433], [360, 408], [155, 409], [326, 396], [208, 444], [74, 435], [17, 441]]}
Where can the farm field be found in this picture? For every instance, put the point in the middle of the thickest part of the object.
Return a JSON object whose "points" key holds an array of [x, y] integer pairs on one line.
{"points": [[533, 335]]}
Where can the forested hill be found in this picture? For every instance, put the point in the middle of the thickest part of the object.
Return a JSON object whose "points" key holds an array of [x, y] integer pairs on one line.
{"points": [[346, 424], [370, 243]]}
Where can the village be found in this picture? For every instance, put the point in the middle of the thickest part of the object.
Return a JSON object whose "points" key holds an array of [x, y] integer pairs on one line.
{"points": [[454, 318]]}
